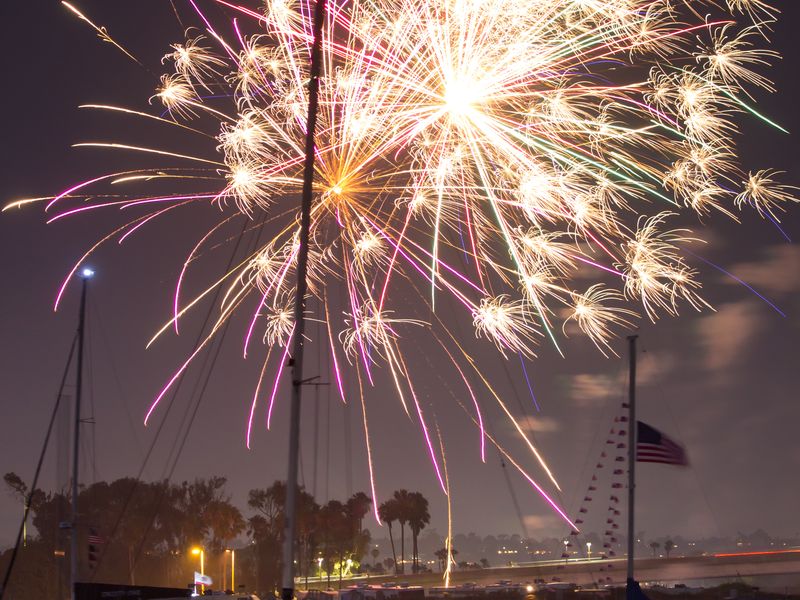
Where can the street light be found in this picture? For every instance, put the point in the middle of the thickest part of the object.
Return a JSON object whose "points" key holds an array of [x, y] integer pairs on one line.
{"points": [[566, 554], [589, 549], [233, 572], [202, 554]]}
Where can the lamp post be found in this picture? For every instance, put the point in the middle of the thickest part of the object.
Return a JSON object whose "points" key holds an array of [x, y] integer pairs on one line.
{"points": [[199, 551], [589, 549], [224, 573], [566, 554]]}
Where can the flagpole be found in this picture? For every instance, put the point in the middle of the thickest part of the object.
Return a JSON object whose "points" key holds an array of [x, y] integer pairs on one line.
{"points": [[632, 426]]}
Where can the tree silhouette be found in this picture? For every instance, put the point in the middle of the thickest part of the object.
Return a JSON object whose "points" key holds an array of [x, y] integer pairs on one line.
{"points": [[266, 530], [16, 486], [404, 508], [357, 507], [330, 519], [441, 554], [225, 522], [388, 514], [418, 518], [655, 546], [307, 516], [148, 530], [668, 546]]}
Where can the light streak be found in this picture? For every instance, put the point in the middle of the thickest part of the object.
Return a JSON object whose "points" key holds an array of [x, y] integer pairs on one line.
{"points": [[102, 33], [528, 382], [117, 146], [255, 399], [474, 400], [755, 553], [337, 373], [449, 541], [189, 258], [369, 449], [769, 302], [277, 383]]}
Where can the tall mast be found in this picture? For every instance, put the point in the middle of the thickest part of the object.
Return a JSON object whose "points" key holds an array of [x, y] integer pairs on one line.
{"points": [[290, 509], [86, 274], [631, 458]]}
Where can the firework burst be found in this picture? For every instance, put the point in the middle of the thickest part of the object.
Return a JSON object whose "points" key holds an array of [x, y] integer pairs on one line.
{"points": [[485, 151]]}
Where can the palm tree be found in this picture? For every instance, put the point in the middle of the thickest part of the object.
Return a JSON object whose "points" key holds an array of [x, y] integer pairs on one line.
{"points": [[668, 546], [388, 514], [418, 518], [403, 500], [655, 546], [441, 554], [357, 507]]}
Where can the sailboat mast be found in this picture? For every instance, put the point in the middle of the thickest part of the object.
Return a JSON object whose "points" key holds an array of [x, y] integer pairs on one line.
{"points": [[74, 561], [290, 508], [631, 453]]}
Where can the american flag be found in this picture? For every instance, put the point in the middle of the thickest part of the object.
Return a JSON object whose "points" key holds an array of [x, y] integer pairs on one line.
{"points": [[94, 538], [655, 447]]}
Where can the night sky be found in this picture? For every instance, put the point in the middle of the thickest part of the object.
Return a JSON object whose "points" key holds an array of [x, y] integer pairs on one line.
{"points": [[724, 383]]}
